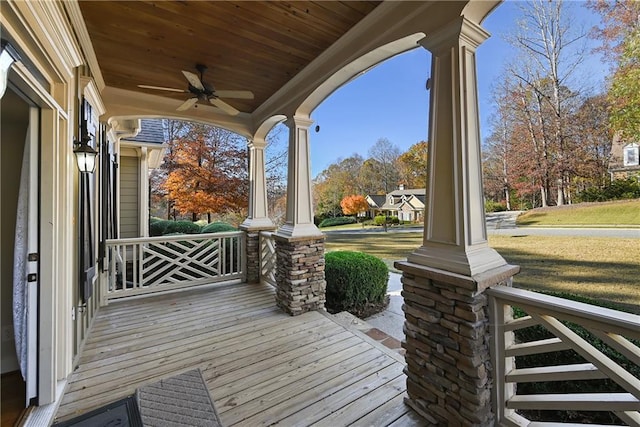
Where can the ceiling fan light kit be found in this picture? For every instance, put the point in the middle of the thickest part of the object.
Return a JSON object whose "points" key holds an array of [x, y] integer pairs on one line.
{"points": [[204, 92]]}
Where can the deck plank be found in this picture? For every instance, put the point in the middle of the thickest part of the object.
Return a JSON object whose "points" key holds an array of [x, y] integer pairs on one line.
{"points": [[260, 365]]}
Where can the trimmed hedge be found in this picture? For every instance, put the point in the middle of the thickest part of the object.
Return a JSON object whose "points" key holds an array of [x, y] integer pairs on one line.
{"points": [[568, 357], [158, 227], [355, 282], [182, 227], [217, 227], [339, 220]]}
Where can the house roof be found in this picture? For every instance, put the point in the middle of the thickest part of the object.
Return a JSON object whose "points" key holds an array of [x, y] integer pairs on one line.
{"points": [[290, 54], [377, 199], [409, 192], [151, 132]]}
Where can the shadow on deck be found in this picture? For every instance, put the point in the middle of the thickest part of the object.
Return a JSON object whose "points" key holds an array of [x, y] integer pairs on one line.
{"points": [[261, 366]]}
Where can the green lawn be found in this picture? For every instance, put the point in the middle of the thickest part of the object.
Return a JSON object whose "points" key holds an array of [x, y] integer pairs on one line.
{"points": [[603, 268], [624, 213]]}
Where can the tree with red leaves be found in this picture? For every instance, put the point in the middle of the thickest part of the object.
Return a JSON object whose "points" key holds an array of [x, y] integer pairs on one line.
{"points": [[354, 204], [209, 171]]}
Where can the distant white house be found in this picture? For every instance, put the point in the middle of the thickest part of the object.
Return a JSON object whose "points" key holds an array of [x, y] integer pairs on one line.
{"points": [[407, 205]]}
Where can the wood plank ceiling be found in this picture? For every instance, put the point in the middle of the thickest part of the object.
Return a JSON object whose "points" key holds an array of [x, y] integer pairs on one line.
{"points": [[255, 46]]}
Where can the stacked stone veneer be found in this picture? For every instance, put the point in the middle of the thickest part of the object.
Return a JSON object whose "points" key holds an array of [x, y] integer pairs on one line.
{"points": [[253, 256], [300, 274], [447, 344], [252, 253]]}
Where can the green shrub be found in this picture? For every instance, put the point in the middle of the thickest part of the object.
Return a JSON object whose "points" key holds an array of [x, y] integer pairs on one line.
{"points": [[153, 219], [339, 220], [566, 357], [619, 189], [182, 227], [491, 206], [355, 282], [218, 227], [158, 228], [380, 220], [394, 220]]}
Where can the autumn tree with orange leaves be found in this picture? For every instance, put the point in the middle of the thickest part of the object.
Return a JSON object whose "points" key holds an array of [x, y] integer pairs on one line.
{"points": [[354, 204], [208, 171]]}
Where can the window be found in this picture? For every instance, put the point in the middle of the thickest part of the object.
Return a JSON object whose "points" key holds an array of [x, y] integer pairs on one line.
{"points": [[631, 155]]}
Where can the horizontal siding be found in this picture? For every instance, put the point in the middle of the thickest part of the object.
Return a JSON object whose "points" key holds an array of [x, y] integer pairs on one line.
{"points": [[129, 196]]}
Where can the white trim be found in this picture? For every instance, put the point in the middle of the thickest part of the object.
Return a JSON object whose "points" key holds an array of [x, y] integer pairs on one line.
{"points": [[627, 150], [42, 416], [77, 22], [90, 90]]}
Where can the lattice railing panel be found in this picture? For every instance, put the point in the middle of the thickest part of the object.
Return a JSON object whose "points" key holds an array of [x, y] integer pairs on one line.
{"points": [[148, 265], [585, 348], [267, 258]]}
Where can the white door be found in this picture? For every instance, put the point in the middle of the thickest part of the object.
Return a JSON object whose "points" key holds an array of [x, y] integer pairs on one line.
{"points": [[33, 255]]}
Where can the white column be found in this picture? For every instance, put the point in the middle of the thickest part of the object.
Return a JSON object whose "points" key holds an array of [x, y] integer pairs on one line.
{"points": [[144, 196], [455, 235], [258, 214], [299, 220]]}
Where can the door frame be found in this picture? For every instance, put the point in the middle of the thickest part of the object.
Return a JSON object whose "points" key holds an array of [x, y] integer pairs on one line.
{"points": [[54, 223]]}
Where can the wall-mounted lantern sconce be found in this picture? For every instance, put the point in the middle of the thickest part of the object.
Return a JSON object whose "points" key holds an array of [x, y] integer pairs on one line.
{"points": [[85, 154], [8, 55]]}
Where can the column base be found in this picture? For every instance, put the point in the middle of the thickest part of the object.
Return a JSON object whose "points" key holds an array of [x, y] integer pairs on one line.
{"points": [[470, 261], [252, 251], [447, 343], [300, 274]]}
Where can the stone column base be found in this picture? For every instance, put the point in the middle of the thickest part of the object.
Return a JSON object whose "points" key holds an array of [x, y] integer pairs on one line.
{"points": [[252, 252], [447, 343], [300, 274]]}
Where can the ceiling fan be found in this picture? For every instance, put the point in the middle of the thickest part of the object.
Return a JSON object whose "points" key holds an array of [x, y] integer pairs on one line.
{"points": [[202, 91]]}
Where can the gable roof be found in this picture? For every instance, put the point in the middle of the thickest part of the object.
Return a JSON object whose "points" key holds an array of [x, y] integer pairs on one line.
{"points": [[151, 132], [377, 199]]}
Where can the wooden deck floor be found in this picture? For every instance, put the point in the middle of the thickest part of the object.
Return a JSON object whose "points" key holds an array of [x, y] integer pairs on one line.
{"points": [[262, 367]]}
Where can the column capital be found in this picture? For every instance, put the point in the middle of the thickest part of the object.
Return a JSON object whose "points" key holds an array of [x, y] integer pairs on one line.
{"points": [[299, 121], [461, 29], [259, 143]]}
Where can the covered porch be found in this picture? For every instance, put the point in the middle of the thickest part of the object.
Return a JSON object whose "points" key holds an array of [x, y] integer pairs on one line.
{"points": [[97, 64], [261, 366]]}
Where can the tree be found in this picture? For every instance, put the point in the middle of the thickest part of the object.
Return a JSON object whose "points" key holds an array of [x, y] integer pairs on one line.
{"points": [[624, 95], [333, 183], [591, 126], [209, 173], [354, 204], [386, 156], [412, 165], [276, 173], [620, 37], [548, 42], [620, 19]]}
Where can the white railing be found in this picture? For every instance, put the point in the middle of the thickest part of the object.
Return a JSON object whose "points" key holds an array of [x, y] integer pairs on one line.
{"points": [[157, 264], [267, 258], [613, 328]]}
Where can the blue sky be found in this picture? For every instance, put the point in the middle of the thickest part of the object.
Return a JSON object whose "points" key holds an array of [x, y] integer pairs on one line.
{"points": [[391, 101]]}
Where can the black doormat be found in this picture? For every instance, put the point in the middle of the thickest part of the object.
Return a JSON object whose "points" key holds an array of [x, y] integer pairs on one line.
{"points": [[122, 413]]}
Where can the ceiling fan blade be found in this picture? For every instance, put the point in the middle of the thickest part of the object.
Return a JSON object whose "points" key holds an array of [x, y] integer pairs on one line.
{"points": [[168, 89], [187, 104], [237, 94], [224, 106], [193, 80]]}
